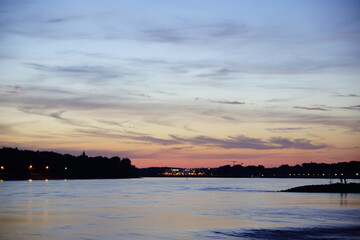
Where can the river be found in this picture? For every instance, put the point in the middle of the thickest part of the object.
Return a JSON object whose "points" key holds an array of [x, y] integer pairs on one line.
{"points": [[175, 208]]}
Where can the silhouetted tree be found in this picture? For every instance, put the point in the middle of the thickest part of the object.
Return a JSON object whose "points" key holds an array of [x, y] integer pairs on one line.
{"points": [[25, 164]]}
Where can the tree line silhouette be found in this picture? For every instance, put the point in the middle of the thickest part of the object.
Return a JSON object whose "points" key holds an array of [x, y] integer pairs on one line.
{"points": [[305, 170], [18, 164], [341, 170]]}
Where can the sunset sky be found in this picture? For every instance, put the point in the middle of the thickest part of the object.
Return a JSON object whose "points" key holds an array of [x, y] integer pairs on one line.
{"points": [[183, 83]]}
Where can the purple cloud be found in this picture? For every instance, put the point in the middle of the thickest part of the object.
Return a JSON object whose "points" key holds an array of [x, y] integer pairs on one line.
{"points": [[243, 142], [356, 107], [296, 144]]}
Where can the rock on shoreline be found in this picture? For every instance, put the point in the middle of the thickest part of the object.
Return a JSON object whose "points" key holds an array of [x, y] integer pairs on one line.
{"points": [[328, 188]]}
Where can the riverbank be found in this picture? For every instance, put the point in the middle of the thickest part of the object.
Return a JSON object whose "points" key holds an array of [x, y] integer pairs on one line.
{"points": [[328, 188]]}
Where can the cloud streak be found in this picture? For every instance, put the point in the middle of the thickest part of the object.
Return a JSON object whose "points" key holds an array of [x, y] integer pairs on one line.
{"points": [[355, 107], [15, 89], [229, 102], [195, 33], [45, 111], [347, 95], [311, 108], [284, 129], [64, 19], [231, 142], [93, 73], [243, 142], [139, 95]]}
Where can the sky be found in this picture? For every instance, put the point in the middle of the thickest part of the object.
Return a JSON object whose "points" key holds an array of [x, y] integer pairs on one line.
{"points": [[183, 83]]}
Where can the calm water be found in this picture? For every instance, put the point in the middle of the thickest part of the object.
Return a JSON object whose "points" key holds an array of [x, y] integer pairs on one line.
{"points": [[175, 208]]}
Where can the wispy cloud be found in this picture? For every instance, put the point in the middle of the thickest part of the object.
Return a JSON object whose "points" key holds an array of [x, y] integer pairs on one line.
{"points": [[243, 142], [356, 107], [151, 61], [285, 129], [347, 95], [15, 89], [311, 108], [172, 112], [64, 19], [231, 142], [285, 143], [195, 33], [91, 73], [139, 137], [112, 123], [155, 140], [139, 95], [89, 54], [279, 100], [58, 101], [290, 87], [187, 128], [229, 118], [229, 102], [221, 73], [6, 129], [47, 112]]}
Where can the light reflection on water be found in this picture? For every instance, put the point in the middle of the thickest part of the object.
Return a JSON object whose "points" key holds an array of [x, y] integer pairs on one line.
{"points": [[174, 208]]}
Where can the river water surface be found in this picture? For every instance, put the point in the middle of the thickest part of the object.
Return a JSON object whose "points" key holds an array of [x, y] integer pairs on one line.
{"points": [[175, 208]]}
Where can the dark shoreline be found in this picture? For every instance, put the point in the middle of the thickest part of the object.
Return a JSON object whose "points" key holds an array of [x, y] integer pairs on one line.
{"points": [[18, 164], [327, 188]]}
